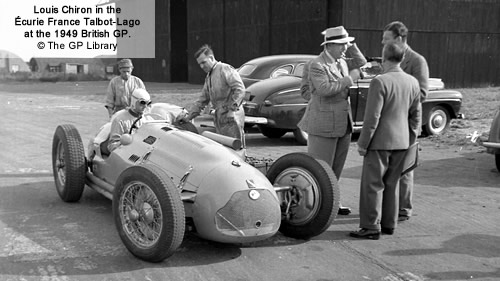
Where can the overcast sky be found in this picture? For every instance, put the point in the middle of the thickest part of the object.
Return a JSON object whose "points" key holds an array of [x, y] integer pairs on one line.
{"points": [[13, 37]]}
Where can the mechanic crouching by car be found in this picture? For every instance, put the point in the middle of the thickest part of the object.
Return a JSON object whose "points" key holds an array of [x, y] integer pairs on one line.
{"points": [[130, 118], [225, 89]]}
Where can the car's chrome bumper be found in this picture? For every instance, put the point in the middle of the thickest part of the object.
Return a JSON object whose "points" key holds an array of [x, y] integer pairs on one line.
{"points": [[491, 147], [460, 116], [494, 145], [256, 120]]}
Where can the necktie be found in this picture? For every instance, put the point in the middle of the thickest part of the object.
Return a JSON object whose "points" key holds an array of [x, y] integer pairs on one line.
{"points": [[339, 67]]}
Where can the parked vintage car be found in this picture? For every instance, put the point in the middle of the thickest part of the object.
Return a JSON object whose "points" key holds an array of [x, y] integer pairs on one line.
{"points": [[164, 177], [493, 143], [272, 66], [276, 106]]}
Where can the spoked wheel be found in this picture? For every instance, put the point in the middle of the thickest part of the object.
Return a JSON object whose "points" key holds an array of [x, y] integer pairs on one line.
{"points": [[309, 194], [68, 163], [149, 213]]}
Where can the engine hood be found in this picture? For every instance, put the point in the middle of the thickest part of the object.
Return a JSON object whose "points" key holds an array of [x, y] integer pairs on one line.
{"points": [[178, 152]]}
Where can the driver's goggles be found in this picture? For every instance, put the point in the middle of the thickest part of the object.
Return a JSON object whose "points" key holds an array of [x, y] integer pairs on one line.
{"points": [[144, 102]]}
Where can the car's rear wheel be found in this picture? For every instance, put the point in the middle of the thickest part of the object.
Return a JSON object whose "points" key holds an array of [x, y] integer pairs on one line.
{"points": [[497, 161], [311, 203], [148, 213], [68, 163], [272, 133], [437, 122], [300, 136]]}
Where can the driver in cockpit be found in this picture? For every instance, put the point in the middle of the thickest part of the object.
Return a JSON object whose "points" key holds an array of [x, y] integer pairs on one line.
{"points": [[130, 118]]}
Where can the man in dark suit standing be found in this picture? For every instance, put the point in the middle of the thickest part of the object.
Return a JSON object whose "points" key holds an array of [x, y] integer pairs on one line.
{"points": [[328, 119], [391, 122], [414, 64]]}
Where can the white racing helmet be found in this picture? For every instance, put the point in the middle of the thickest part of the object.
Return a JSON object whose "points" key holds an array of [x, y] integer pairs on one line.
{"points": [[139, 94]]}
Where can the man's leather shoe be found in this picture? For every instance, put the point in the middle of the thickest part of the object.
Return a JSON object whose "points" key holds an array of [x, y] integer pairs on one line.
{"points": [[387, 230], [366, 234], [344, 211], [403, 218]]}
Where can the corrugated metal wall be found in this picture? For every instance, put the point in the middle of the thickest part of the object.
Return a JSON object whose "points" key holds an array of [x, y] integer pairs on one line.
{"points": [[241, 30], [158, 68], [459, 38]]}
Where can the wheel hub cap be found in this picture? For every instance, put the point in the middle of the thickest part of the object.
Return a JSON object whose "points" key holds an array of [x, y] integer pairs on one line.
{"points": [[437, 121]]}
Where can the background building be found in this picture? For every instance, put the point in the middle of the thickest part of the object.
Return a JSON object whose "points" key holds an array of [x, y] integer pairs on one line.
{"points": [[459, 38], [11, 63], [74, 68]]}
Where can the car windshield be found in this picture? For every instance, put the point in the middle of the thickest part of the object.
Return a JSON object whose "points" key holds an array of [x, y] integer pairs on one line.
{"points": [[370, 70], [246, 69], [299, 69], [283, 70]]}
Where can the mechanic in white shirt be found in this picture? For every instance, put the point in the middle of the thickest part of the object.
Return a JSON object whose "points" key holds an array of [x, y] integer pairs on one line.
{"points": [[225, 90]]}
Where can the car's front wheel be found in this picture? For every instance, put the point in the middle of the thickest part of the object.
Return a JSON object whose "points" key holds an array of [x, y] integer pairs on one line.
{"points": [[272, 133], [149, 213], [437, 121], [310, 203], [68, 163]]}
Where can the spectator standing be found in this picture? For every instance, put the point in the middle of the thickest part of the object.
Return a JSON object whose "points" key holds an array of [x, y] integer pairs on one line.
{"points": [[121, 87], [391, 122], [328, 117], [225, 90], [414, 64]]}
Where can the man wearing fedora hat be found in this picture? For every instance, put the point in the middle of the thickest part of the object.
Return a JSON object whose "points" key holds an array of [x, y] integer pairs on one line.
{"points": [[328, 118], [121, 87]]}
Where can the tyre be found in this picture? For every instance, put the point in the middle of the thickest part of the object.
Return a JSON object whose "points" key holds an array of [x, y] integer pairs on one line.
{"points": [[300, 136], [272, 133], [437, 122], [148, 213], [312, 203], [68, 163], [497, 161]]}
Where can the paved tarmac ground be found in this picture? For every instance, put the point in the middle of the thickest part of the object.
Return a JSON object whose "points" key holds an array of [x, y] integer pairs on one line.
{"points": [[454, 234]]}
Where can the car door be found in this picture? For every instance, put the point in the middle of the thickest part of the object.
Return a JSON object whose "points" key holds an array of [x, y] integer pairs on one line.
{"points": [[358, 93]]}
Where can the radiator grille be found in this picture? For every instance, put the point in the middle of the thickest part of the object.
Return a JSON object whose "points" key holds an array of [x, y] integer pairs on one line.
{"points": [[242, 216]]}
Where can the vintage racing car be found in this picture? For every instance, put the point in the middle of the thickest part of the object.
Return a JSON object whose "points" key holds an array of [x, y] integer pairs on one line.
{"points": [[492, 144], [165, 177]]}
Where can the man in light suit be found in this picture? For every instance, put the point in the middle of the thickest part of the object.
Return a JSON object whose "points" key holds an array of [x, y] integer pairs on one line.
{"points": [[391, 123], [328, 119], [415, 65]]}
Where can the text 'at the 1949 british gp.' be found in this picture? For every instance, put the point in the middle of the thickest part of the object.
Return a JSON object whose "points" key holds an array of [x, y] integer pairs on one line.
{"points": [[75, 27]]}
